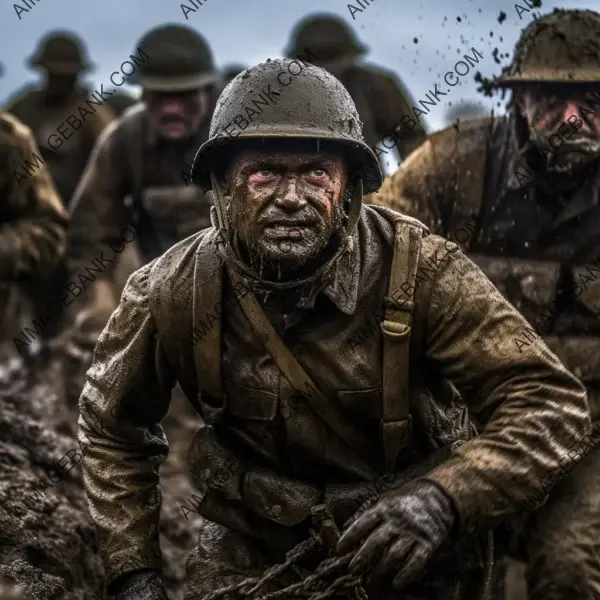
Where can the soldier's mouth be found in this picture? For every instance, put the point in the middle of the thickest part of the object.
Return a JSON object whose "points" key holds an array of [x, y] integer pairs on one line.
{"points": [[287, 229]]}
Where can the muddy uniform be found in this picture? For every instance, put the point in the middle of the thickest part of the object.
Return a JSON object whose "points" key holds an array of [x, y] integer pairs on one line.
{"points": [[289, 457], [541, 248], [33, 226]]}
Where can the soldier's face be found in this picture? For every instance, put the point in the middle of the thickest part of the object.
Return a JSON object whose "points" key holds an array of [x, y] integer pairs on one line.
{"points": [[177, 115], [565, 121], [286, 206]]}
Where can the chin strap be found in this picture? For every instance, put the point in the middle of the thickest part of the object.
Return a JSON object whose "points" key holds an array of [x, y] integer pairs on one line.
{"points": [[220, 206], [355, 205]]}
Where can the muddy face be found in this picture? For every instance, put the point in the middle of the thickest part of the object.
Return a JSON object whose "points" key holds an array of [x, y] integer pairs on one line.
{"points": [[177, 115], [286, 206], [564, 121]]}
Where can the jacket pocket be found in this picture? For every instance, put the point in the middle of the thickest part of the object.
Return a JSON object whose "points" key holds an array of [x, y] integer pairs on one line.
{"points": [[251, 404], [361, 404]]}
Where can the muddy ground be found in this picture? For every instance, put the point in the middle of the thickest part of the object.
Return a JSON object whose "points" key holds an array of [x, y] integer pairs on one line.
{"points": [[47, 538]]}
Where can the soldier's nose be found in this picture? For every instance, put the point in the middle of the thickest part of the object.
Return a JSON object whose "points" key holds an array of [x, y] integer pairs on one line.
{"points": [[572, 111], [289, 198]]}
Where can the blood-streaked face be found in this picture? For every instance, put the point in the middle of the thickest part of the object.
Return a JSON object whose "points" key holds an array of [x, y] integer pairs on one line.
{"points": [[178, 115], [565, 120], [286, 206]]}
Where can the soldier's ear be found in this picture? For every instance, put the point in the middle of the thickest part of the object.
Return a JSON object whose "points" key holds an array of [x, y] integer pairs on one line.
{"points": [[520, 101]]}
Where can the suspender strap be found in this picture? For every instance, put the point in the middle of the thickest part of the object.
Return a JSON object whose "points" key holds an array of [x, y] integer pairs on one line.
{"points": [[396, 327]]}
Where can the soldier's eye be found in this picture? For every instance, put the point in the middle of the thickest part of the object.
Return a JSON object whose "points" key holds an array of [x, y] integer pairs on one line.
{"points": [[262, 174], [318, 172]]}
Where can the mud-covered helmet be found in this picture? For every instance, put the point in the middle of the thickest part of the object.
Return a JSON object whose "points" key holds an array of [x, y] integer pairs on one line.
{"points": [[326, 36], [307, 103], [561, 47], [61, 52], [179, 59]]}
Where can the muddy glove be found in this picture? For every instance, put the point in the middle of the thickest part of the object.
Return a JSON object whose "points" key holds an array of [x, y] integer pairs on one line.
{"points": [[145, 585], [396, 538]]}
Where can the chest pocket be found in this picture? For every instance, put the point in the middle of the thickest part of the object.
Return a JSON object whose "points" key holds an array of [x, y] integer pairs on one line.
{"points": [[176, 212]]}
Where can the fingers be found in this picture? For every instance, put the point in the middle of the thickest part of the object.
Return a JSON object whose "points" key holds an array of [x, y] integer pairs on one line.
{"points": [[417, 559], [369, 553], [395, 558], [358, 530]]}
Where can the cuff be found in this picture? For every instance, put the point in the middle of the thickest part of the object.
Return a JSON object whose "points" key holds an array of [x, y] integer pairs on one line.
{"points": [[130, 560]]}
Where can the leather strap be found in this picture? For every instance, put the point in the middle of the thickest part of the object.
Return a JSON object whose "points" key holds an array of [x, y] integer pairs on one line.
{"points": [[396, 425], [207, 351], [295, 373]]}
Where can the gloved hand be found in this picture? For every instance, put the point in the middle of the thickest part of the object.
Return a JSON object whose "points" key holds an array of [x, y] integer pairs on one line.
{"points": [[145, 585], [396, 537]]}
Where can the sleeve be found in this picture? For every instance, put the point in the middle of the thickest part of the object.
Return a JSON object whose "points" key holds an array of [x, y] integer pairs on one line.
{"points": [[534, 412], [127, 394], [98, 212], [33, 227]]}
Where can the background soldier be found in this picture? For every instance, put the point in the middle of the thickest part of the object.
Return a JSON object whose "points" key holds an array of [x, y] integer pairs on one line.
{"points": [[296, 257], [64, 133], [528, 186], [380, 97], [137, 187]]}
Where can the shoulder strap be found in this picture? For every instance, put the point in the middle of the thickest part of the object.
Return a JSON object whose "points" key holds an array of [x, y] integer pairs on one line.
{"points": [[397, 328]]}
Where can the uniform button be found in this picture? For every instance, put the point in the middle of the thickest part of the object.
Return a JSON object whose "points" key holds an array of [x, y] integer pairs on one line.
{"points": [[276, 510], [206, 473]]}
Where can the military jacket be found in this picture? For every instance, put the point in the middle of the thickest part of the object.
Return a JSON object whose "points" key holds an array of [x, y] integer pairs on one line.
{"points": [[531, 408], [134, 176], [477, 186], [65, 133], [33, 224]]}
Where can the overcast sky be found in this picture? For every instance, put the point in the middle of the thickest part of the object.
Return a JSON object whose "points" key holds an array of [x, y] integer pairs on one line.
{"points": [[249, 31]]}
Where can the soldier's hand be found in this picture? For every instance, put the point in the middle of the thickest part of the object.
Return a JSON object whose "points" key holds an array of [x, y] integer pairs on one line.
{"points": [[142, 586], [396, 537]]}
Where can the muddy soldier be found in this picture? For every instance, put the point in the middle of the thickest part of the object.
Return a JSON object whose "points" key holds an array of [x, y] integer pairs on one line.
{"points": [[253, 316], [33, 226], [380, 97], [529, 184], [65, 126]]}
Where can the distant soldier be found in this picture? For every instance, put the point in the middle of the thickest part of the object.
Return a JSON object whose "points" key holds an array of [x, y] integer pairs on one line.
{"points": [[521, 194], [119, 102], [33, 227], [380, 97], [137, 184], [64, 125]]}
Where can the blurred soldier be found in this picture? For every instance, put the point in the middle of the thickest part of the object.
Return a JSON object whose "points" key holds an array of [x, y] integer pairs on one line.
{"points": [[465, 111], [528, 187], [65, 126], [33, 227], [380, 97], [119, 102], [137, 184], [301, 424]]}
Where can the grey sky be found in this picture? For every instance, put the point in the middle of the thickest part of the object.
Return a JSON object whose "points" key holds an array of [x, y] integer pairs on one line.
{"points": [[249, 31]]}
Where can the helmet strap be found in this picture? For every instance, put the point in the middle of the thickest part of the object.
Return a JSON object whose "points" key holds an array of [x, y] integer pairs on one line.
{"points": [[356, 194], [220, 205]]}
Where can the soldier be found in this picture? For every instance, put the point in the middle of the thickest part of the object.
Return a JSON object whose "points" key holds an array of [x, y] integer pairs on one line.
{"points": [[65, 127], [33, 226], [528, 185], [253, 317], [380, 97]]}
